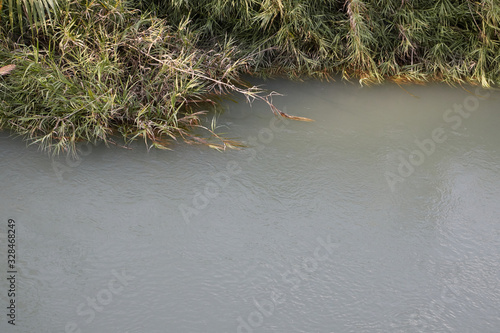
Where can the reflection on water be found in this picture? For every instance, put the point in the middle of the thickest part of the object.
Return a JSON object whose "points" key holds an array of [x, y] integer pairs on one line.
{"points": [[365, 220]]}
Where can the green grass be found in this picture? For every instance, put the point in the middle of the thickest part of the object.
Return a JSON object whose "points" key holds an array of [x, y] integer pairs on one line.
{"points": [[107, 71], [91, 70]]}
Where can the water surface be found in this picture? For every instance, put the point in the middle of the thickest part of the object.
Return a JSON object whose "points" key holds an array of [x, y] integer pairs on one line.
{"points": [[383, 215]]}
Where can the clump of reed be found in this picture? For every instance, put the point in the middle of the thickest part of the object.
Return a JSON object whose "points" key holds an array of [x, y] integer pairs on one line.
{"points": [[101, 70], [373, 40], [147, 68]]}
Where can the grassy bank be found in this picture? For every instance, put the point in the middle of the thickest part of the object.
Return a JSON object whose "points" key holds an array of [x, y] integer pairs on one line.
{"points": [[88, 70]]}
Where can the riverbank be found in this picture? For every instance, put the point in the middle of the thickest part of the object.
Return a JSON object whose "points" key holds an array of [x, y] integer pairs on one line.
{"points": [[150, 69]]}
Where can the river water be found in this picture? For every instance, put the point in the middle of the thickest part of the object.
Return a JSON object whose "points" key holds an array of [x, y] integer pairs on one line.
{"points": [[383, 215]]}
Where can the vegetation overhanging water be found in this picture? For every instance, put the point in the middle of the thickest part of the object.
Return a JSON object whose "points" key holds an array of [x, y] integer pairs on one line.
{"points": [[73, 70]]}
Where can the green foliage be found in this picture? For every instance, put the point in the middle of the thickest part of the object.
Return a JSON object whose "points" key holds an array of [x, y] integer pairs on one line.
{"points": [[99, 68], [36, 12], [107, 70], [450, 40]]}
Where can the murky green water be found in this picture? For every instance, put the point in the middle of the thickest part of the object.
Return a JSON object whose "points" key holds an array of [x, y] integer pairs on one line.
{"points": [[381, 216]]}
